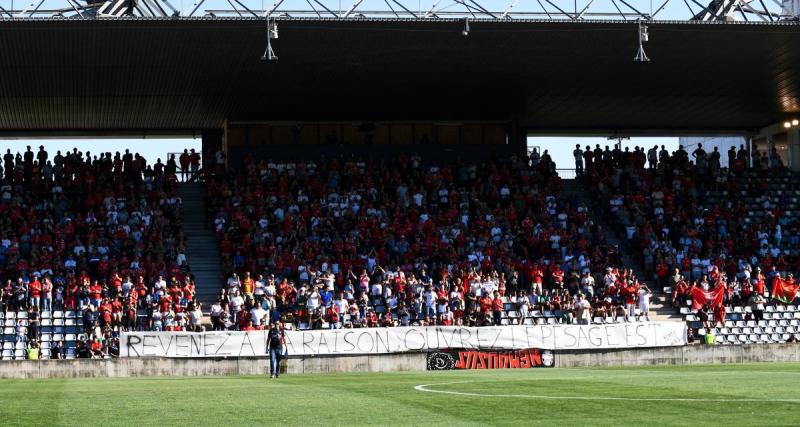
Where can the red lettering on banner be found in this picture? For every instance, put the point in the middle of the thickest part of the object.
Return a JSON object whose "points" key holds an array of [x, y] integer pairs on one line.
{"points": [[513, 360], [460, 364], [536, 358], [524, 361], [502, 361], [473, 359]]}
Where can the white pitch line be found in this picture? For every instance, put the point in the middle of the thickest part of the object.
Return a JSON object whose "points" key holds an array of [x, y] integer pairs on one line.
{"points": [[424, 388]]}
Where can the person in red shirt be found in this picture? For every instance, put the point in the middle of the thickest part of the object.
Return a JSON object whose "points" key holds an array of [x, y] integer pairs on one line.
{"points": [[486, 304], [35, 292], [95, 292], [387, 321], [538, 276], [332, 317], [497, 308], [371, 319], [719, 310], [759, 282], [679, 293], [104, 312]]}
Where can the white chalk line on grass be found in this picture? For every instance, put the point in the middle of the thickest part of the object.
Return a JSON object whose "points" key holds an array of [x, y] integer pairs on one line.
{"points": [[424, 388]]}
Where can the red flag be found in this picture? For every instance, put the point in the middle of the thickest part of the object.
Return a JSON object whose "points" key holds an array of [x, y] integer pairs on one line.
{"points": [[701, 297], [783, 290]]}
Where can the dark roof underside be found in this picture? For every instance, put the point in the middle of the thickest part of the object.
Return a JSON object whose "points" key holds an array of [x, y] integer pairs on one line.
{"points": [[140, 75]]}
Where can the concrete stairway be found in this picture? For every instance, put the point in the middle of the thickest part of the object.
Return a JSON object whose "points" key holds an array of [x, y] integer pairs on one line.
{"points": [[660, 307], [202, 252]]}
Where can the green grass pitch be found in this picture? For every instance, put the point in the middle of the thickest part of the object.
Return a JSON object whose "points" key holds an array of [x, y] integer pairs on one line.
{"points": [[752, 394]]}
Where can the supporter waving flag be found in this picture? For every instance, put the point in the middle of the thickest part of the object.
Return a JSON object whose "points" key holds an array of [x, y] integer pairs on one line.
{"points": [[784, 290], [712, 298]]}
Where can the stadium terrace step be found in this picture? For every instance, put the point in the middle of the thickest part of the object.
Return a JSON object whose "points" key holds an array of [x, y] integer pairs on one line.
{"points": [[201, 245], [660, 307]]}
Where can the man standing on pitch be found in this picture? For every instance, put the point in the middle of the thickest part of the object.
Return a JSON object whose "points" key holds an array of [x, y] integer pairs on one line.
{"points": [[276, 339]]}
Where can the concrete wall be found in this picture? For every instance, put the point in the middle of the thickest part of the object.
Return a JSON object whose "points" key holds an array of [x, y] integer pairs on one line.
{"points": [[132, 367], [383, 363], [689, 355], [145, 366]]}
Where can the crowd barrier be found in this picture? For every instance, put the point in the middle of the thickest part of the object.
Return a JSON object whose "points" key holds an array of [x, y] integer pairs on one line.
{"points": [[416, 361]]}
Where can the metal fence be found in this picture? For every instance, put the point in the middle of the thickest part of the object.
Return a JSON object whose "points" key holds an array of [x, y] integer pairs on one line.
{"points": [[567, 173]]}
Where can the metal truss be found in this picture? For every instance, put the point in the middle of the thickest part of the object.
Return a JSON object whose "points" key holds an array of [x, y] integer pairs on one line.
{"points": [[573, 10]]}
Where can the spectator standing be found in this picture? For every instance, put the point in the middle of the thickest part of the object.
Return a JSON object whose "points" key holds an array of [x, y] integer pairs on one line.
{"points": [[757, 303], [57, 350], [578, 154], [276, 338]]}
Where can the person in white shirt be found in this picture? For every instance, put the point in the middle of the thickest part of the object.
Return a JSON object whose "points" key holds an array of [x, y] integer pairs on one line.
{"points": [[476, 288], [258, 315], [260, 287], [127, 286], [196, 318], [216, 311], [377, 289], [237, 303], [644, 302], [313, 301], [341, 304]]}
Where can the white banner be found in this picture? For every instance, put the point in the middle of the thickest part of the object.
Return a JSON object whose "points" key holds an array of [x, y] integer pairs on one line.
{"points": [[398, 340], [193, 344]]}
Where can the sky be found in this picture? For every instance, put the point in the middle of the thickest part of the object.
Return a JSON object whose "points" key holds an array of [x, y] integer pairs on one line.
{"points": [[560, 148], [150, 149]]}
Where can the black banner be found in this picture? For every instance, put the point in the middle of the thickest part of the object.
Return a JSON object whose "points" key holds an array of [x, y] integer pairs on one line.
{"points": [[473, 359]]}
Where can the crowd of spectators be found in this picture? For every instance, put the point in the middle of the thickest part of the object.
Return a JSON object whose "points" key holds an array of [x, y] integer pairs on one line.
{"points": [[351, 242], [690, 217], [97, 234]]}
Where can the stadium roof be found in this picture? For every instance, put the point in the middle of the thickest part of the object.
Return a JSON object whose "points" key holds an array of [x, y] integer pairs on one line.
{"points": [[117, 75]]}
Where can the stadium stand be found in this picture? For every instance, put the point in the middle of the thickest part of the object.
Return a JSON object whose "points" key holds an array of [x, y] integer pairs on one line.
{"points": [[702, 228], [94, 245], [91, 245], [356, 242]]}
